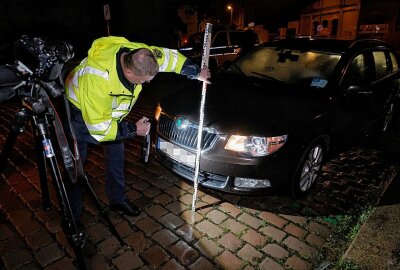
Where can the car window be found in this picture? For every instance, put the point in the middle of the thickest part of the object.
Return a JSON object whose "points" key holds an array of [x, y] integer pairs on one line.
{"points": [[357, 72], [220, 40], [243, 39], [381, 67], [395, 64], [289, 66]]}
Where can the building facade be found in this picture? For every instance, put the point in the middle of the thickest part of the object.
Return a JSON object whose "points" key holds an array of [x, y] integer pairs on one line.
{"points": [[350, 19]]}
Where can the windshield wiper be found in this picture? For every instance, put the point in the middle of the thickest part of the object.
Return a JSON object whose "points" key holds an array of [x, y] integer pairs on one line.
{"points": [[265, 76]]}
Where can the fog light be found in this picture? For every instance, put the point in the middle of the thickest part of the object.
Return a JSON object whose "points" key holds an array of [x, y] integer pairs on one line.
{"points": [[251, 183]]}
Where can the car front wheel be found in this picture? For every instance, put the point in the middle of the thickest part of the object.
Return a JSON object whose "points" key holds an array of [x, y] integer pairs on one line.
{"points": [[308, 170]]}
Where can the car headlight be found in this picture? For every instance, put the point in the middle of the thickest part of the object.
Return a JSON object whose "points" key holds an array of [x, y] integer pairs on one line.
{"points": [[255, 146]]}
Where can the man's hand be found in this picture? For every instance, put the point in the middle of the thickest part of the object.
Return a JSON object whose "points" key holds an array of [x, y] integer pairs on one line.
{"points": [[143, 126], [204, 75]]}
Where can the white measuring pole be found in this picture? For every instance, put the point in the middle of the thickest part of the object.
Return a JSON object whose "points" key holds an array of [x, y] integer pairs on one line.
{"points": [[204, 64]]}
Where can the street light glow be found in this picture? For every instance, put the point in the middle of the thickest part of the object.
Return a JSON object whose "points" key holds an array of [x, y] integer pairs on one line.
{"points": [[229, 7]]}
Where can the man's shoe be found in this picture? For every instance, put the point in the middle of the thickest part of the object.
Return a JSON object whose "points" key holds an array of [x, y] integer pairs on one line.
{"points": [[127, 208]]}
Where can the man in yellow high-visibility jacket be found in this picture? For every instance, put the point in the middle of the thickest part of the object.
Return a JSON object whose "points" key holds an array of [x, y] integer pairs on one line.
{"points": [[102, 90]]}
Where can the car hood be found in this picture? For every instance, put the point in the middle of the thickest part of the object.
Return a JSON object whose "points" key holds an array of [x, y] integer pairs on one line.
{"points": [[239, 105]]}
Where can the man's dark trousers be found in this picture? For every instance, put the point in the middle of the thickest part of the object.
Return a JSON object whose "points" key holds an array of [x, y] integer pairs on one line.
{"points": [[114, 163]]}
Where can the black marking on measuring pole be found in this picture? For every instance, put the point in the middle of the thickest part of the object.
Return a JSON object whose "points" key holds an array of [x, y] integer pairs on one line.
{"points": [[204, 64]]}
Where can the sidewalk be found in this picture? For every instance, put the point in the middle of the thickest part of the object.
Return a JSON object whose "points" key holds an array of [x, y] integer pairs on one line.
{"points": [[377, 245]]}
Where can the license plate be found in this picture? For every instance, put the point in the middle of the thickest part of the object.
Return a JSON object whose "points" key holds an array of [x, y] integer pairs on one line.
{"points": [[177, 153]]}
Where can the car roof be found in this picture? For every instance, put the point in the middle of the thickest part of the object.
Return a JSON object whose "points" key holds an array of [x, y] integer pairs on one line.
{"points": [[324, 44]]}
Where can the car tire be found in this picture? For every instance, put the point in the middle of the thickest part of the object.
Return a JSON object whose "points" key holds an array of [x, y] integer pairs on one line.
{"points": [[308, 169]]}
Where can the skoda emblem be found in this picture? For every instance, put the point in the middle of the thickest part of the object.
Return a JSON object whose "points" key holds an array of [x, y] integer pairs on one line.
{"points": [[181, 123]]}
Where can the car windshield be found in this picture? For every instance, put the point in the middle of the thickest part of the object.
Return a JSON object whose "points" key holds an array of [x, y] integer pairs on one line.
{"points": [[287, 65]]}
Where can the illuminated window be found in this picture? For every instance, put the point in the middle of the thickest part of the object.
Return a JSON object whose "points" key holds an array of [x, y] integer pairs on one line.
{"points": [[381, 68], [395, 64]]}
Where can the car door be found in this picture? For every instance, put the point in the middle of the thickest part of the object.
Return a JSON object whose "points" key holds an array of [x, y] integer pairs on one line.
{"points": [[386, 83], [355, 104]]}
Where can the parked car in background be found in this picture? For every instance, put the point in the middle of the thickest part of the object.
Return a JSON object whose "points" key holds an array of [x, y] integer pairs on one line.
{"points": [[226, 46], [274, 116]]}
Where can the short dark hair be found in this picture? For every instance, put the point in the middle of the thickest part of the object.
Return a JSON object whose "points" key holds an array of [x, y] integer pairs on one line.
{"points": [[141, 62]]}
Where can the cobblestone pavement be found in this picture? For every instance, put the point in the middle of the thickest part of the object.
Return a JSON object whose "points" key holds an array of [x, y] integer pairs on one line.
{"points": [[227, 232]]}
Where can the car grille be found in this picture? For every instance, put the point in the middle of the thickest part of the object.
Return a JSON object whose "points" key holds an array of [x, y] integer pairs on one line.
{"points": [[187, 137]]}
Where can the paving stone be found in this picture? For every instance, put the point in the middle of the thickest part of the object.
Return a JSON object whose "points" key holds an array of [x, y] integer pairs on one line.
{"points": [[230, 209], [315, 240], [201, 264], [151, 192], [250, 254], [138, 242], [124, 229], [209, 229], [273, 233], [97, 262], [148, 226], [216, 216], [49, 254], [175, 192], [184, 253], [208, 247], [254, 238], [273, 219], [54, 225], [227, 260], [275, 251], [184, 186], [38, 239], [300, 246], [98, 232], [28, 227], [176, 207], [128, 260], [12, 244], [295, 230], [109, 247], [143, 202], [253, 222], [173, 265], [163, 199], [20, 216], [186, 199], [5, 232], [230, 241], [209, 199], [233, 226], [64, 264], [133, 195], [156, 211], [165, 237], [191, 217], [162, 183], [154, 256], [300, 220], [171, 221], [269, 264], [296, 263], [17, 258], [188, 233]]}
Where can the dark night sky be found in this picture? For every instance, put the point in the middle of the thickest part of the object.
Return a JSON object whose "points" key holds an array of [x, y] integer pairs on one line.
{"points": [[147, 21]]}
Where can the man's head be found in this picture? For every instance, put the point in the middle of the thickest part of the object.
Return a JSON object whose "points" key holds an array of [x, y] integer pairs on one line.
{"points": [[140, 66]]}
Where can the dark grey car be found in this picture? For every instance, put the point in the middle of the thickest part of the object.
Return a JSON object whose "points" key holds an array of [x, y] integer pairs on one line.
{"points": [[273, 116]]}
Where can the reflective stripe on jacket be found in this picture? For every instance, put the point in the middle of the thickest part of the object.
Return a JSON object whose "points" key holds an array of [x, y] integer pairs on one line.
{"points": [[96, 90]]}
